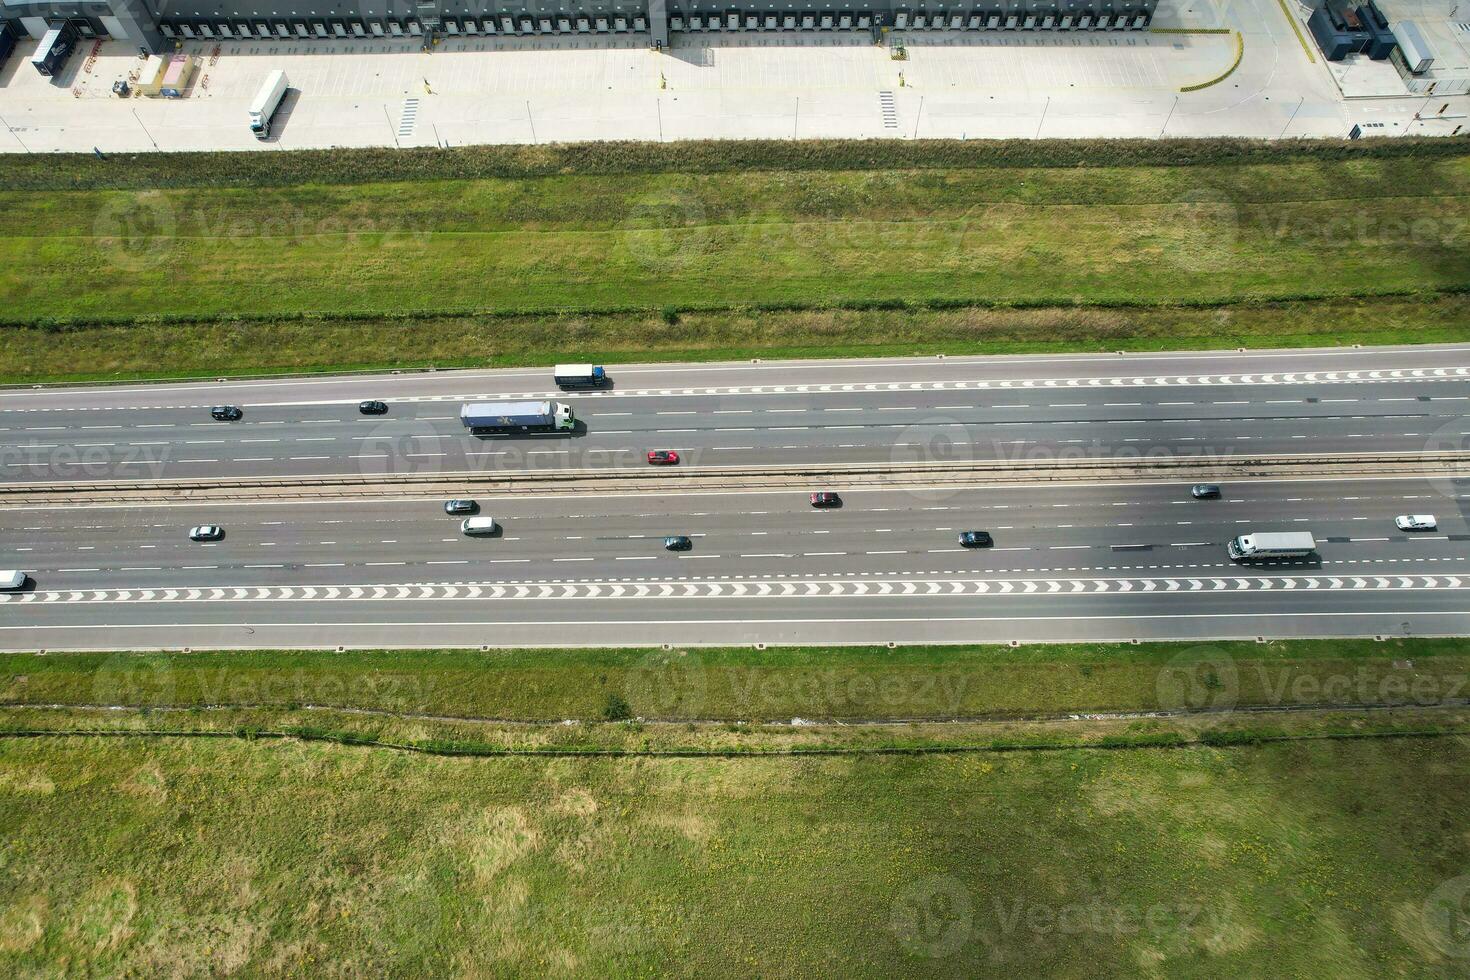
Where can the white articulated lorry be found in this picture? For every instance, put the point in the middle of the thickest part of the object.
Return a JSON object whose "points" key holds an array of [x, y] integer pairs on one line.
{"points": [[1260, 545], [505, 418], [263, 107]]}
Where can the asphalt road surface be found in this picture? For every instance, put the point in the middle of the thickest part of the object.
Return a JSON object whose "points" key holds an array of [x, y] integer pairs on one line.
{"points": [[902, 411], [1076, 562]]}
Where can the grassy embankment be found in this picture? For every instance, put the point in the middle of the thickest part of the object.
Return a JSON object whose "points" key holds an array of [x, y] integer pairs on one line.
{"points": [[1326, 843], [1289, 248], [208, 857], [728, 684]]}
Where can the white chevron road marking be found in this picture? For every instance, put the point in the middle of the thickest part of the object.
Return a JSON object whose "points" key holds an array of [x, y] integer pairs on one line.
{"points": [[785, 588]]}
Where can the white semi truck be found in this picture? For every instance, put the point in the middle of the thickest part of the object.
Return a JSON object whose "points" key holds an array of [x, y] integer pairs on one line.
{"points": [[1259, 545], [263, 107], [500, 418]]}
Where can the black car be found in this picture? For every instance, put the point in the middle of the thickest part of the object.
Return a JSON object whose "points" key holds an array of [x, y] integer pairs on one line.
{"points": [[460, 507], [372, 407], [677, 542], [226, 413], [826, 498], [1205, 491], [976, 539]]}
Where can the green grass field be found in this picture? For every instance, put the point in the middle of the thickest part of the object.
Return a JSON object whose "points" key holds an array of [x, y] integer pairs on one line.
{"points": [[174, 857], [1325, 842], [586, 242]]}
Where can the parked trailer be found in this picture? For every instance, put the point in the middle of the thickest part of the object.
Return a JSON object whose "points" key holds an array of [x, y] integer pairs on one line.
{"points": [[579, 376], [150, 76], [7, 43], [517, 417], [175, 81], [1271, 544], [263, 107], [56, 46]]}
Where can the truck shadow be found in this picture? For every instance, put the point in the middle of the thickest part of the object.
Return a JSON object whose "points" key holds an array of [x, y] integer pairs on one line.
{"points": [[282, 116], [1311, 564], [578, 431]]}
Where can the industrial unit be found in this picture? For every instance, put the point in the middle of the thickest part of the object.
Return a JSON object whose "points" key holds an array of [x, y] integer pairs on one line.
{"points": [[152, 24], [1341, 29], [1428, 52]]}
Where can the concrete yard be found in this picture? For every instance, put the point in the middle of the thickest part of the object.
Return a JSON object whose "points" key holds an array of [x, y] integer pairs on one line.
{"points": [[382, 92]]}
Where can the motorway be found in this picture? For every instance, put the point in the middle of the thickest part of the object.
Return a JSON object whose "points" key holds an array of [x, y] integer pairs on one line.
{"points": [[1113, 561], [898, 411]]}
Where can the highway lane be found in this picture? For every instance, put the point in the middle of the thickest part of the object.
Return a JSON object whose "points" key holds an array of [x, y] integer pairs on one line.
{"points": [[1069, 562], [853, 412]]}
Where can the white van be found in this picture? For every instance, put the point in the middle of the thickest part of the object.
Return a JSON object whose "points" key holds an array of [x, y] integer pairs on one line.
{"points": [[478, 525], [10, 581]]}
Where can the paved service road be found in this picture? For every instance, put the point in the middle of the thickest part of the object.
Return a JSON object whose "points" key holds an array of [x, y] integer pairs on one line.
{"points": [[1103, 562], [901, 411]]}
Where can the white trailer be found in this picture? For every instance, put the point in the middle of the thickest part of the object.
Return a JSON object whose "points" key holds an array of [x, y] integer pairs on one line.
{"points": [[263, 107], [490, 418], [1271, 544]]}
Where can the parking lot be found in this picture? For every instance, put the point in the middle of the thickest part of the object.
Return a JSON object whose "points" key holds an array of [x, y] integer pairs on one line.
{"points": [[385, 92]]}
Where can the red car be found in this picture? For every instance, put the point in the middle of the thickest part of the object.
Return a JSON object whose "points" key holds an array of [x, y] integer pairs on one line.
{"points": [[663, 457], [826, 499]]}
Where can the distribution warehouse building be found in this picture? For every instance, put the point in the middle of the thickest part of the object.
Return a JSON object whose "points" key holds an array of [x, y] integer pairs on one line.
{"points": [[153, 24]]}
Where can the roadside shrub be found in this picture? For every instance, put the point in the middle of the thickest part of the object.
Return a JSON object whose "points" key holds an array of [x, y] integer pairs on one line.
{"points": [[616, 708]]}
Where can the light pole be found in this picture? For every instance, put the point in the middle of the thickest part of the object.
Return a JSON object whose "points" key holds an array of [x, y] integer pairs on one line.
{"points": [[1293, 117], [144, 128], [1168, 117]]}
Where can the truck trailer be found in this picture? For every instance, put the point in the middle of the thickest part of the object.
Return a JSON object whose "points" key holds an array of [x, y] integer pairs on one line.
{"points": [[263, 107], [55, 47], [7, 43], [1271, 544], [492, 418]]}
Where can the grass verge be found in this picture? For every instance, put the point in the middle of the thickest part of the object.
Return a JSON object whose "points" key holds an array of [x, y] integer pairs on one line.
{"points": [[226, 346], [833, 683], [192, 856]]}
